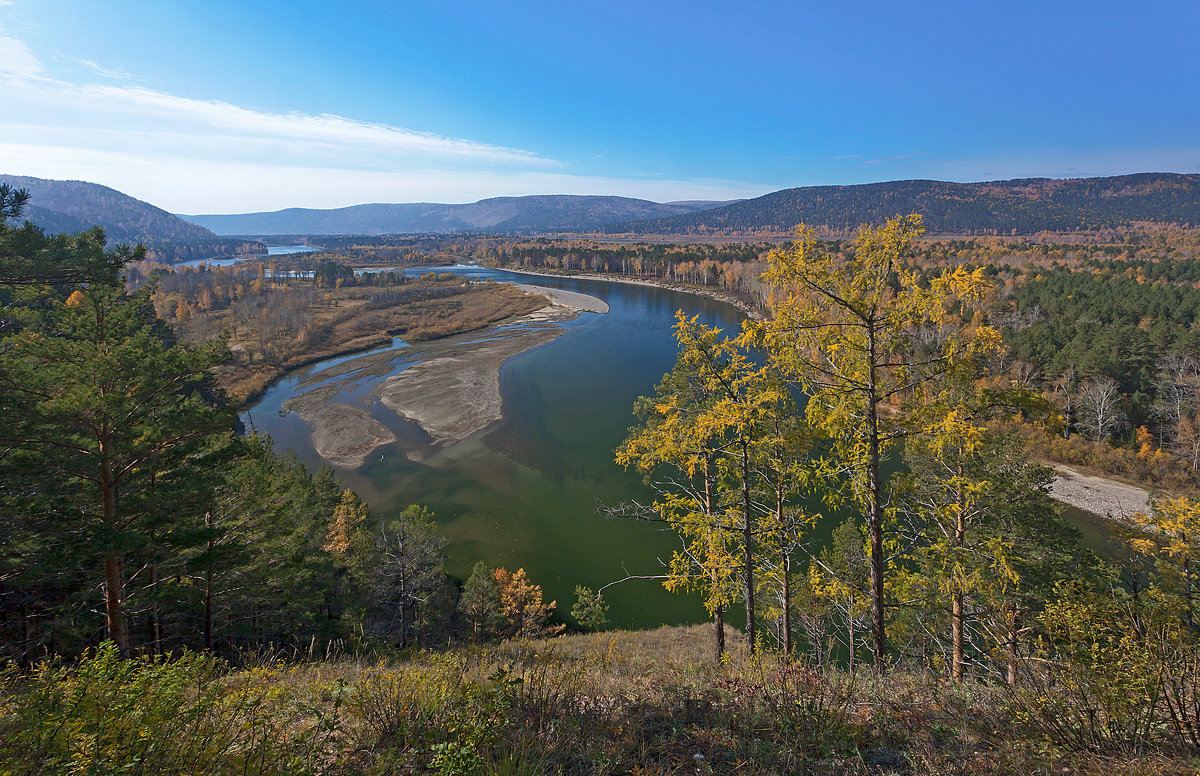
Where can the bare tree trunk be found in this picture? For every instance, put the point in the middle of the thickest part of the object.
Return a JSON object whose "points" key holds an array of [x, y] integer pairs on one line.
{"points": [[1187, 590], [786, 565], [851, 634], [208, 589], [1011, 645], [155, 624], [709, 502], [26, 636], [874, 514], [787, 607], [114, 565], [114, 599]]}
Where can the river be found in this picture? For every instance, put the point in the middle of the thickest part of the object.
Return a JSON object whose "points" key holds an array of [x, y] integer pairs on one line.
{"points": [[525, 492]]}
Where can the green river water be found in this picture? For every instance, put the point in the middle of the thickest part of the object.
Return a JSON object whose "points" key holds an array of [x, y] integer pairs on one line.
{"points": [[525, 492]]}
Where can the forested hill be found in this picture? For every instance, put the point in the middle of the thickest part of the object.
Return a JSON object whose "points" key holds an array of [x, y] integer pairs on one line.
{"points": [[75, 206], [544, 213], [996, 207]]}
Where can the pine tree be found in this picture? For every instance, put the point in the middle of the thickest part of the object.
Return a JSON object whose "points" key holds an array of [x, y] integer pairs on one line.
{"points": [[480, 604], [99, 397]]}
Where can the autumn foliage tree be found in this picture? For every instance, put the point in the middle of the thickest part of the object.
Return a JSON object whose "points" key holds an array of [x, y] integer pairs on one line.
{"points": [[862, 334]]}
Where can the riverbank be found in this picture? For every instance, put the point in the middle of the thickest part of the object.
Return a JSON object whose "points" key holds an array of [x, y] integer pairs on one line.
{"points": [[751, 312]]}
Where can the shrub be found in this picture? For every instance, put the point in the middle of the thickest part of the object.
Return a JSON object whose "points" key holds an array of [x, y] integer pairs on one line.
{"points": [[155, 716]]}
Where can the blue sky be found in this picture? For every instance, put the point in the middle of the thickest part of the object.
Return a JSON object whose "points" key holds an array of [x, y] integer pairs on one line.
{"points": [[233, 106]]}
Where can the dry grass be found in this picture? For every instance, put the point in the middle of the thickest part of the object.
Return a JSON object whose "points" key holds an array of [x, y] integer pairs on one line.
{"points": [[647, 702]]}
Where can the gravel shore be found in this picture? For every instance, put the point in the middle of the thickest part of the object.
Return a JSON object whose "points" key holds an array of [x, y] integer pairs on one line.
{"points": [[1098, 495]]}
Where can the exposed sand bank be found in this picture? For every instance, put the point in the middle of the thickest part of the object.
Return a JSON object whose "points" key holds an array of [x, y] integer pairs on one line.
{"points": [[454, 393], [751, 312], [345, 434], [570, 299], [450, 393], [1099, 495]]}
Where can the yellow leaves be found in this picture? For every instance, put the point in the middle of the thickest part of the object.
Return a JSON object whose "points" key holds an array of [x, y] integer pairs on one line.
{"points": [[348, 515], [76, 299], [1174, 524], [955, 432]]}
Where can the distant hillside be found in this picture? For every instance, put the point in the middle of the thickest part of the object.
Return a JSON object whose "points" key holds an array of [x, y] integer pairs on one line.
{"points": [[75, 206], [1021, 206], [544, 213]]}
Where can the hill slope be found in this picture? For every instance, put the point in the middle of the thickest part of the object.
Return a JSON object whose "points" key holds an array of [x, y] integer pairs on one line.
{"points": [[76, 206], [1016, 206], [69, 206], [543, 213]]}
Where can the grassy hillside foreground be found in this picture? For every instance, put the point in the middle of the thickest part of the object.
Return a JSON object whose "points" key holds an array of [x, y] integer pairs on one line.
{"points": [[647, 702]]}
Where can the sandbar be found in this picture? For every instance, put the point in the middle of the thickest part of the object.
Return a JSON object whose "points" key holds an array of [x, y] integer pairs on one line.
{"points": [[450, 393]]}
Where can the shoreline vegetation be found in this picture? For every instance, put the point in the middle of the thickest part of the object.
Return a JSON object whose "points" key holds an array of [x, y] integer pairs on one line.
{"points": [[340, 318], [275, 323]]}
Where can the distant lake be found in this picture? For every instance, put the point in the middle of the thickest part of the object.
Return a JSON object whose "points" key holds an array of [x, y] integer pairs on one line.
{"points": [[281, 250], [272, 250]]}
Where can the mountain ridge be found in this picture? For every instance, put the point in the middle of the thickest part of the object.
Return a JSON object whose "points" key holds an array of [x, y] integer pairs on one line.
{"points": [[1017, 206], [534, 213]]}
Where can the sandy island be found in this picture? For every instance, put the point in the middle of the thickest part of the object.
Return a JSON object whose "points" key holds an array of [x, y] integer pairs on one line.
{"points": [[452, 392]]}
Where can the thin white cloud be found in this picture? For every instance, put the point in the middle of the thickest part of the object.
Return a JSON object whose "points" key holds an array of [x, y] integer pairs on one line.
{"points": [[16, 60], [326, 128], [194, 156], [123, 116], [116, 75]]}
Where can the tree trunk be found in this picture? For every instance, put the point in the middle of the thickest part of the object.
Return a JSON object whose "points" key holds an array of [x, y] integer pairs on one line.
{"points": [[719, 622], [208, 587], [114, 600], [709, 501], [874, 515], [1187, 590], [786, 565], [787, 607], [155, 623], [957, 614], [114, 563], [26, 637], [850, 629], [1011, 645], [208, 608], [748, 546]]}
